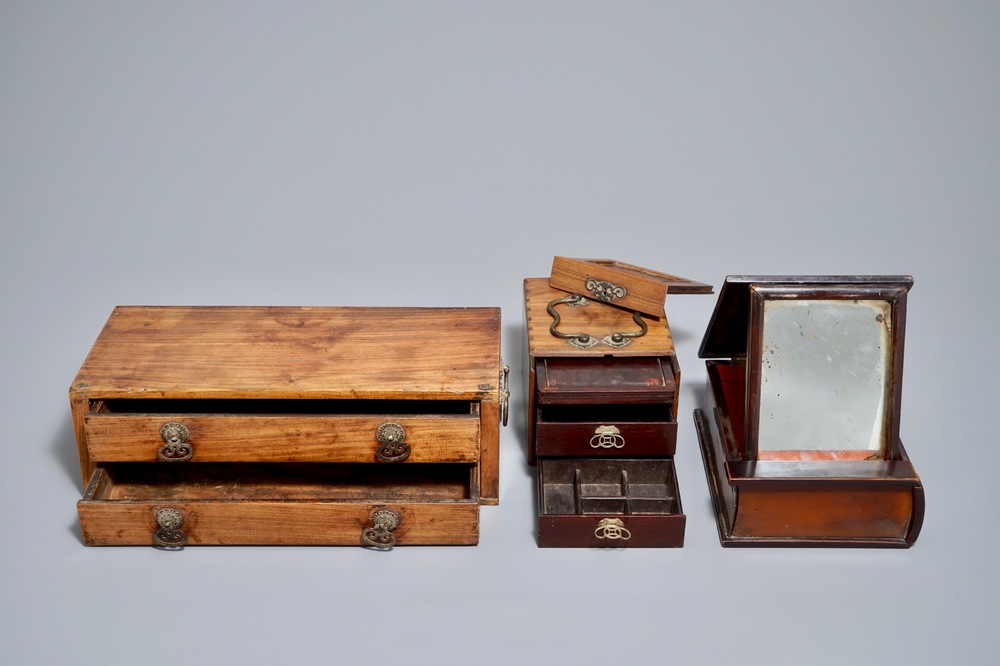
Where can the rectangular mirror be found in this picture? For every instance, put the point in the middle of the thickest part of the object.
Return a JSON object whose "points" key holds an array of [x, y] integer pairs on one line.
{"points": [[825, 364]]}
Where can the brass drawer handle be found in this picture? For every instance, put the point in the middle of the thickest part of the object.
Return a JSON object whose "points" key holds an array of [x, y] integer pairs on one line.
{"points": [[585, 340], [176, 448], [504, 393], [391, 447], [607, 437], [169, 534], [380, 536], [612, 528]]}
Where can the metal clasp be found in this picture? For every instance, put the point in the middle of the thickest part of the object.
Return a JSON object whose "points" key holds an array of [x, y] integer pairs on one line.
{"points": [[379, 536], [391, 448], [605, 291], [176, 448], [504, 392], [612, 528], [607, 437]]}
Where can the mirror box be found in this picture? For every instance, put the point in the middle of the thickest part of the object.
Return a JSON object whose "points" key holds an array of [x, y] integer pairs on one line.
{"points": [[799, 430]]}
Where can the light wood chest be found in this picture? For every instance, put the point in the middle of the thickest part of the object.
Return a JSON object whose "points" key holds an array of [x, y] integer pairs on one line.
{"points": [[289, 425]]}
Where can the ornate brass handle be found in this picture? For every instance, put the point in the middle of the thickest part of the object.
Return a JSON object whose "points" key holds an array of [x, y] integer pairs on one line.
{"points": [[391, 447], [379, 536], [607, 437], [585, 340], [612, 528], [176, 448], [169, 534]]}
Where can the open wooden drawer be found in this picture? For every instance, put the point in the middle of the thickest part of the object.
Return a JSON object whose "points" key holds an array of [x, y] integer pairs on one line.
{"points": [[609, 503], [369, 504], [600, 406], [282, 430]]}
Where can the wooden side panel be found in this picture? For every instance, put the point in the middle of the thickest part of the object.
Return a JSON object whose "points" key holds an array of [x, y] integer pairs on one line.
{"points": [[489, 464], [79, 407], [277, 523], [257, 438]]}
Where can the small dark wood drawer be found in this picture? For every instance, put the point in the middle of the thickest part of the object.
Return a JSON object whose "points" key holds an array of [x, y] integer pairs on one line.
{"points": [[609, 503]]}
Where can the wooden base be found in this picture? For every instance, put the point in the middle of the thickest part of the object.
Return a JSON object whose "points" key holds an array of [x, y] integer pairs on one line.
{"points": [[870, 503]]}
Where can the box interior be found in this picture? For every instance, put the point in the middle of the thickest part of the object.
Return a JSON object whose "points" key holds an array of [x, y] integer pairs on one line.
{"points": [[284, 482], [608, 486]]}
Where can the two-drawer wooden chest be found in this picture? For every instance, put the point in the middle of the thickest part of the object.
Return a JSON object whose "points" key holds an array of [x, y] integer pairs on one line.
{"points": [[289, 425]]}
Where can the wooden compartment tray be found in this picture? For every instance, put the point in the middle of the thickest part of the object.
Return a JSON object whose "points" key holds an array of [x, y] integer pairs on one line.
{"points": [[609, 502]]}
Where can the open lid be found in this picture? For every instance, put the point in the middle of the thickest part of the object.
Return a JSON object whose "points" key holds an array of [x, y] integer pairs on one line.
{"points": [[617, 283], [728, 330]]}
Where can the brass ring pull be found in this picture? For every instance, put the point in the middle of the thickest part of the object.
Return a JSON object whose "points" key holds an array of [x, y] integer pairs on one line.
{"points": [[379, 536], [391, 447], [584, 340], [169, 535], [176, 448], [612, 528]]}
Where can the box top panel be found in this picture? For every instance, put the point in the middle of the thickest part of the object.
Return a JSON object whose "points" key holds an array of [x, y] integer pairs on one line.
{"points": [[615, 282], [639, 378], [596, 320], [728, 330], [294, 352]]}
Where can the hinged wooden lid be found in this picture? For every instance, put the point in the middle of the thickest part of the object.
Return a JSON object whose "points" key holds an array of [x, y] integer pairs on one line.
{"points": [[728, 330], [295, 352], [595, 319], [631, 287]]}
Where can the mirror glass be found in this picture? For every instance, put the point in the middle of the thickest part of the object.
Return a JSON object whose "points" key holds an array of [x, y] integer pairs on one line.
{"points": [[824, 376]]}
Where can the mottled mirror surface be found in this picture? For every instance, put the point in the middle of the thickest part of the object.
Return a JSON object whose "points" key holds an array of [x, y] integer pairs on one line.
{"points": [[824, 375]]}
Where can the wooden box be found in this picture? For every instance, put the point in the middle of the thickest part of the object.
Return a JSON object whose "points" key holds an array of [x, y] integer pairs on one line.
{"points": [[800, 428], [601, 423], [289, 425]]}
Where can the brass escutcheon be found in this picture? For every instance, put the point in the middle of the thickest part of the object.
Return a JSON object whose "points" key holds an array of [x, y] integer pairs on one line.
{"points": [[605, 291], [391, 447], [612, 528], [176, 448], [607, 437], [379, 536], [169, 535]]}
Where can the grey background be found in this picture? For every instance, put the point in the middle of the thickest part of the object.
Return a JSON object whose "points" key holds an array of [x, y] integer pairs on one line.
{"points": [[436, 154]]}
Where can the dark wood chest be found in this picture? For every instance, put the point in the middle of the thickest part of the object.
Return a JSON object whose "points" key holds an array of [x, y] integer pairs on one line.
{"points": [[602, 423]]}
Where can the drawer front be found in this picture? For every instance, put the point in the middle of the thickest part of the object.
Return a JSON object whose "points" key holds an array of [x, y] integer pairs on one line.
{"points": [[606, 439], [611, 531], [278, 504], [209, 523], [279, 438]]}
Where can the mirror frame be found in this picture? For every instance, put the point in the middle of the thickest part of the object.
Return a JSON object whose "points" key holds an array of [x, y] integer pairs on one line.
{"points": [[891, 292]]}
